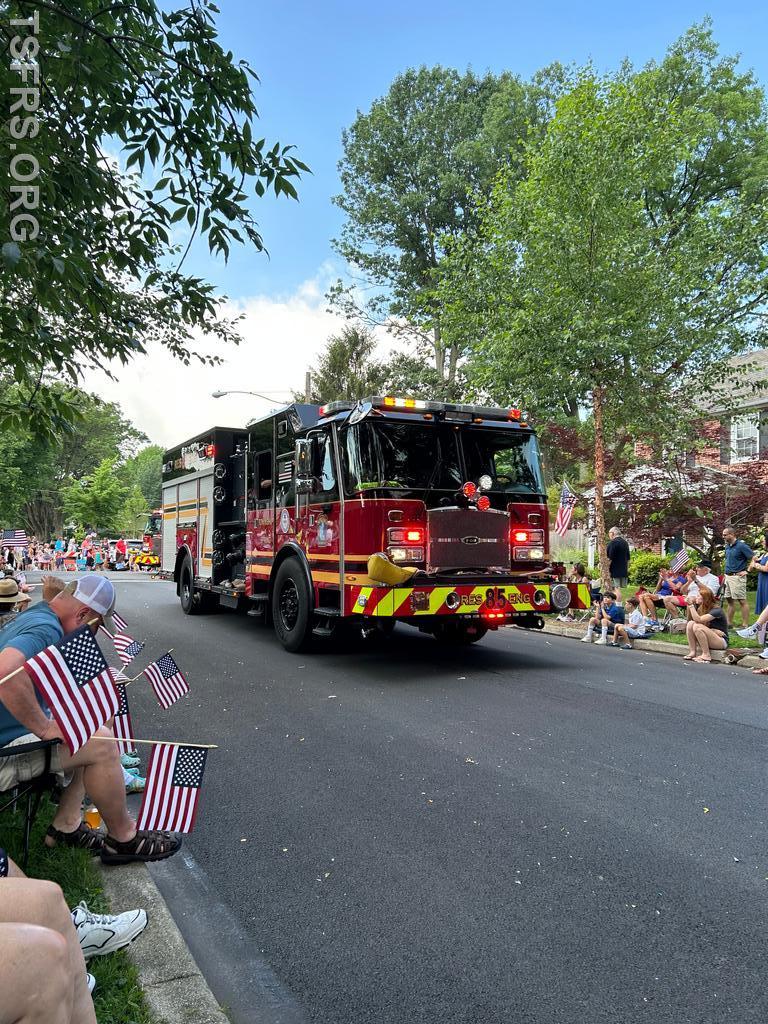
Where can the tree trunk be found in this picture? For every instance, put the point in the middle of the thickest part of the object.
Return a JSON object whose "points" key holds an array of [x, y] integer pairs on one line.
{"points": [[598, 399], [437, 343]]}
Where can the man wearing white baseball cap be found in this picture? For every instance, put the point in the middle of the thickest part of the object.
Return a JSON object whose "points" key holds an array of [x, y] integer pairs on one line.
{"points": [[96, 767]]}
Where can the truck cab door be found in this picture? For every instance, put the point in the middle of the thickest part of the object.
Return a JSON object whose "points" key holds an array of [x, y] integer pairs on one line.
{"points": [[318, 515]]}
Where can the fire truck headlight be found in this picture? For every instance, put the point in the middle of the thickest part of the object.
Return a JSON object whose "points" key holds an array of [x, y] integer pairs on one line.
{"points": [[528, 554], [403, 554]]}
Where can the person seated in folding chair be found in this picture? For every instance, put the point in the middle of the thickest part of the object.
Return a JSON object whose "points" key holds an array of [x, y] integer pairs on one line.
{"points": [[667, 585], [96, 765]]}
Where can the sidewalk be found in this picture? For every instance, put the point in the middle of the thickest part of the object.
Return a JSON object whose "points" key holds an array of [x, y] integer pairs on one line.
{"points": [[658, 646]]}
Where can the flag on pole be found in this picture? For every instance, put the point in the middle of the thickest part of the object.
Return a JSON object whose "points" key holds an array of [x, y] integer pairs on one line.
{"points": [[172, 790], [77, 685], [565, 510], [127, 648], [680, 560], [14, 539], [121, 726], [120, 622], [166, 680]]}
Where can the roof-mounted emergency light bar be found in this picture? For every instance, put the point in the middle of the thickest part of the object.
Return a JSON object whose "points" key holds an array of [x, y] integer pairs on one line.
{"points": [[446, 410]]}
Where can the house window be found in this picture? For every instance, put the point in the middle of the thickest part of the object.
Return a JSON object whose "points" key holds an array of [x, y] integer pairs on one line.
{"points": [[745, 438]]}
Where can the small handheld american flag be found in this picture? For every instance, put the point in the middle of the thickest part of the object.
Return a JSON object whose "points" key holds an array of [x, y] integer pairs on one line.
{"points": [[120, 622], [166, 680], [77, 685], [127, 648], [565, 510], [121, 726], [172, 789], [14, 539], [680, 560]]}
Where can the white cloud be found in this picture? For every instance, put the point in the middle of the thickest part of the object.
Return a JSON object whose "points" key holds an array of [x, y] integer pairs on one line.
{"points": [[282, 337]]}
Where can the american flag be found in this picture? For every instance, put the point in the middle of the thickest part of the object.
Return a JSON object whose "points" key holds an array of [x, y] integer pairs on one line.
{"points": [[285, 472], [120, 622], [77, 685], [565, 510], [14, 539], [173, 788], [127, 648], [121, 725], [166, 680], [679, 561]]}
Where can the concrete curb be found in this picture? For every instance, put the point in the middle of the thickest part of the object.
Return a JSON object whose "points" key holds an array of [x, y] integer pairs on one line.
{"points": [[175, 990], [658, 646]]}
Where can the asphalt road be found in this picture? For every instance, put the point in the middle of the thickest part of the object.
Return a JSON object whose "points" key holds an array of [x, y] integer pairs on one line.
{"points": [[526, 831]]}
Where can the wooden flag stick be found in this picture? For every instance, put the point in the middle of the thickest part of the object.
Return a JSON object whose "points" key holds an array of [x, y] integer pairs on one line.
{"points": [[200, 746]]}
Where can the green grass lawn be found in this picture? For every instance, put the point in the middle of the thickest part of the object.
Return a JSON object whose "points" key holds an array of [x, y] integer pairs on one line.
{"points": [[118, 998]]}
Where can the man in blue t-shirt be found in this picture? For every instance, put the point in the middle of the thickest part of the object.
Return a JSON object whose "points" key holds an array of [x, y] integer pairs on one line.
{"points": [[606, 615], [96, 765], [738, 557]]}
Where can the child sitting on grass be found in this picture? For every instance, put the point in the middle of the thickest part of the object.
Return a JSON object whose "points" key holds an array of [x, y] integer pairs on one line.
{"points": [[634, 629]]}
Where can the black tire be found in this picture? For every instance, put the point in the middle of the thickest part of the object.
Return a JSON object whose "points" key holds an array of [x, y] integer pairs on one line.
{"points": [[459, 634], [193, 602], [292, 607]]}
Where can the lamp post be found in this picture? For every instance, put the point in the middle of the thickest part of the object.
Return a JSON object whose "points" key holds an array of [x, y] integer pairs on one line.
{"points": [[220, 394]]}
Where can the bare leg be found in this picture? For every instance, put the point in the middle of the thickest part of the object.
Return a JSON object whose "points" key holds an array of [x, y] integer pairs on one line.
{"points": [[103, 779], [744, 613], [730, 608], [32, 901], [690, 632], [28, 953], [672, 608], [69, 812]]}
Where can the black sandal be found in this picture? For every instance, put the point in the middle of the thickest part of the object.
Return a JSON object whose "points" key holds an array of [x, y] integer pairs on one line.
{"points": [[144, 846], [84, 838]]}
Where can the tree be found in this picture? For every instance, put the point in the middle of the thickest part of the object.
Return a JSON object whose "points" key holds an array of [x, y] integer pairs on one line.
{"points": [[96, 501], [92, 268], [347, 369], [36, 468], [133, 515], [145, 471], [631, 256], [410, 171]]}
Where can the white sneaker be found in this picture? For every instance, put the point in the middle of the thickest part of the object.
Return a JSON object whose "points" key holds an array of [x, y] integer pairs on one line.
{"points": [[90, 981], [602, 641], [764, 655], [99, 934], [587, 639], [748, 632]]}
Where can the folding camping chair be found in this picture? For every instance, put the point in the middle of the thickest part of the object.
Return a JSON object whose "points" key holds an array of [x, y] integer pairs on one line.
{"points": [[33, 790]]}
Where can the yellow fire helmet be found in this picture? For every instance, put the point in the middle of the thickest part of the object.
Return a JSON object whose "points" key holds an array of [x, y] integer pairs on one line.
{"points": [[382, 570]]}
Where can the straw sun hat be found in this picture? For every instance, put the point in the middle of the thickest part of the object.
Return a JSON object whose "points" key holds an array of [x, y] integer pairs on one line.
{"points": [[10, 593]]}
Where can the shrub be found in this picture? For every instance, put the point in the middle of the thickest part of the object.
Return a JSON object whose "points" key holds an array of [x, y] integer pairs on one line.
{"points": [[644, 568]]}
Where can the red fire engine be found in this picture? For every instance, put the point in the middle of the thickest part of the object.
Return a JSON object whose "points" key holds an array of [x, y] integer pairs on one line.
{"points": [[150, 555], [285, 514]]}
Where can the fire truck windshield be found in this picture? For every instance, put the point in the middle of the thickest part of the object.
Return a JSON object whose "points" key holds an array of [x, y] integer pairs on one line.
{"points": [[398, 455], [154, 523]]}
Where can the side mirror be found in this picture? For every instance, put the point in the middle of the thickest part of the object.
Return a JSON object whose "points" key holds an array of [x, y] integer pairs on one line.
{"points": [[305, 448]]}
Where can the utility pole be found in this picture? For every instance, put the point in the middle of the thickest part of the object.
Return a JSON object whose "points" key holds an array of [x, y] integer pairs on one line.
{"points": [[307, 385]]}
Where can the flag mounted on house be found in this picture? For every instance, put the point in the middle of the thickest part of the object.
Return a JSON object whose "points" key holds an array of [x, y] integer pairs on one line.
{"points": [[172, 790], [77, 685], [565, 510]]}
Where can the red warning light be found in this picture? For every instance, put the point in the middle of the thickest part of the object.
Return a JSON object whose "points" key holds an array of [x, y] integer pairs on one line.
{"points": [[469, 490], [520, 536], [414, 536], [210, 451], [483, 502]]}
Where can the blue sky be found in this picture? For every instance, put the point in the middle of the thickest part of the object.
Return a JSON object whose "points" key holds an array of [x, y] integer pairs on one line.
{"points": [[321, 62]]}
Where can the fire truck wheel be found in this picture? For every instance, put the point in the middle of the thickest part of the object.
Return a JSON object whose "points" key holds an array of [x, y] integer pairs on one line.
{"points": [[291, 607], [192, 603], [459, 634]]}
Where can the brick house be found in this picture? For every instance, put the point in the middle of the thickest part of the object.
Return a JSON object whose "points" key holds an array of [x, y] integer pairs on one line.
{"points": [[740, 439]]}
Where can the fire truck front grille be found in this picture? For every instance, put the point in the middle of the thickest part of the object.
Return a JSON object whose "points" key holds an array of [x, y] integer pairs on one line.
{"points": [[464, 538]]}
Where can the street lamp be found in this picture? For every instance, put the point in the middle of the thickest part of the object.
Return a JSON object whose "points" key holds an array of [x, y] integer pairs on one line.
{"points": [[220, 394]]}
